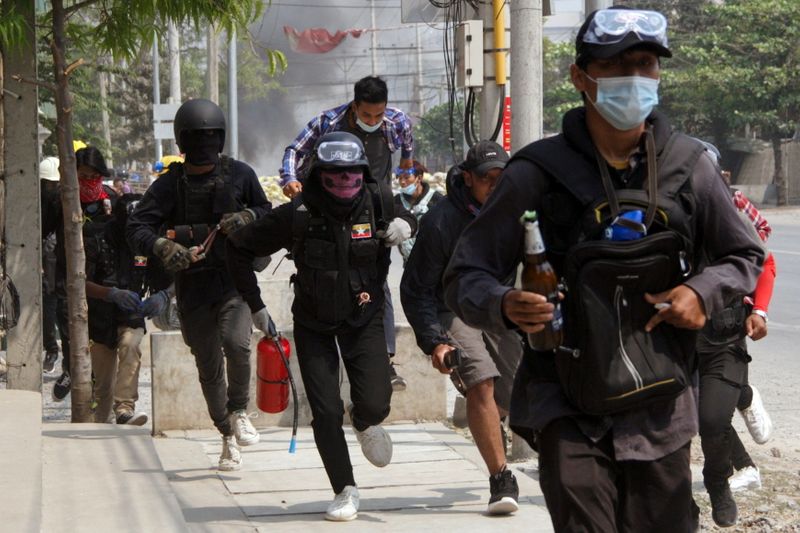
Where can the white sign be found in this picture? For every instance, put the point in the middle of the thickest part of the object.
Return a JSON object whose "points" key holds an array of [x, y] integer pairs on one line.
{"points": [[163, 117]]}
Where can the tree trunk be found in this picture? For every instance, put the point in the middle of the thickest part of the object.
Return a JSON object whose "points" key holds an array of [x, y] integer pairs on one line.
{"points": [[80, 363], [778, 178]]}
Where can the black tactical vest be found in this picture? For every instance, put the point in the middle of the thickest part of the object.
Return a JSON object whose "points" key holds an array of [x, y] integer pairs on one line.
{"points": [[337, 278]]}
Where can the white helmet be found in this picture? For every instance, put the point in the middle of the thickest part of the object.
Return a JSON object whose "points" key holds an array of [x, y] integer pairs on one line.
{"points": [[48, 169]]}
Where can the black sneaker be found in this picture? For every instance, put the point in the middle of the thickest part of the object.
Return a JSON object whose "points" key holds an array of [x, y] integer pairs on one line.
{"points": [[49, 363], [61, 387], [132, 419], [504, 493], [399, 384], [723, 506]]}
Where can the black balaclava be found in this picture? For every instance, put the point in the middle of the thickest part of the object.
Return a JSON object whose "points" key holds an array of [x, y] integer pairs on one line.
{"points": [[201, 146]]}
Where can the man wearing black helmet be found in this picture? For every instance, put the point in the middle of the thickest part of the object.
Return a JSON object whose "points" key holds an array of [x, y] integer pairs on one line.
{"points": [[340, 238], [200, 202], [607, 465]]}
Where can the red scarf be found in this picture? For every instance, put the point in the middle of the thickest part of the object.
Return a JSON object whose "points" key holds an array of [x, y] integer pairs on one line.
{"points": [[91, 190]]}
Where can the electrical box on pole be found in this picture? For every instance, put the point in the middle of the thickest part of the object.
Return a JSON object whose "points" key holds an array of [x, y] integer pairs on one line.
{"points": [[469, 54]]}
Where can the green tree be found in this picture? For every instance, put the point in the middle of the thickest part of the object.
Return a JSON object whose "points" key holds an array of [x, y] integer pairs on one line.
{"points": [[432, 142], [120, 29], [744, 69], [559, 94]]}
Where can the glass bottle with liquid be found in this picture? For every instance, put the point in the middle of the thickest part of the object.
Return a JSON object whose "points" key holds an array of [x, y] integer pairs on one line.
{"points": [[538, 276]]}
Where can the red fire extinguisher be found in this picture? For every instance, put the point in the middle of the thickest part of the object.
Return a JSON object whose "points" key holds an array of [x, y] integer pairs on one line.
{"points": [[275, 377]]}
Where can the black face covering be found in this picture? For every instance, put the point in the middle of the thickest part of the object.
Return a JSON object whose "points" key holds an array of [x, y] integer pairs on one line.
{"points": [[201, 146]]}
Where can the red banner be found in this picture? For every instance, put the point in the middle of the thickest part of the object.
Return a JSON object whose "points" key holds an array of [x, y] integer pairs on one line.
{"points": [[316, 40], [507, 125]]}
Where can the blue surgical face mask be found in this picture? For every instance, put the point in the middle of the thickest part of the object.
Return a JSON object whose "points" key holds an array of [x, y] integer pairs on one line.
{"points": [[409, 190], [625, 101], [366, 127]]}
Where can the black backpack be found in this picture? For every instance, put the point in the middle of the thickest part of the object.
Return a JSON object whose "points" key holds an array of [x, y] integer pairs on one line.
{"points": [[608, 363]]}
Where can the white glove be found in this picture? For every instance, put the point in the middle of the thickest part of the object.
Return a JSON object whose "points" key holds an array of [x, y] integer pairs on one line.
{"points": [[263, 322], [397, 231]]}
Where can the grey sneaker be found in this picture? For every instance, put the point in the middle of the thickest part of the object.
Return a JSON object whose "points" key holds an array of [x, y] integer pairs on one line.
{"points": [[757, 419], [231, 458], [399, 383], [132, 419], [376, 444], [243, 429], [344, 506]]}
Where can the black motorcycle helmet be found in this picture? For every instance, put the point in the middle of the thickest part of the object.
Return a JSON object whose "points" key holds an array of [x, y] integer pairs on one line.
{"points": [[199, 114], [339, 149]]}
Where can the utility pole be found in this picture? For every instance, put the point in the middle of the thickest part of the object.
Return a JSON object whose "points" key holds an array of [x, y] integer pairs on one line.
{"points": [[526, 105], [156, 91], [233, 98], [21, 215], [212, 65], [373, 38], [594, 5], [173, 41], [494, 66], [418, 77], [526, 72]]}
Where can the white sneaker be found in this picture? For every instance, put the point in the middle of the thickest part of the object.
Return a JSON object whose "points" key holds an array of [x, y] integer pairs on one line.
{"points": [[757, 420], [344, 506], [745, 479], [230, 459], [244, 431], [376, 444]]}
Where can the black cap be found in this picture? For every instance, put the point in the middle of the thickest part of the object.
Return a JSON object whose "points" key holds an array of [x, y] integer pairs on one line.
{"points": [[484, 156], [585, 51]]}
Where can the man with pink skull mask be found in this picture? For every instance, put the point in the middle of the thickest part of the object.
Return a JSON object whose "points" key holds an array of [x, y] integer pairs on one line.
{"points": [[340, 231]]}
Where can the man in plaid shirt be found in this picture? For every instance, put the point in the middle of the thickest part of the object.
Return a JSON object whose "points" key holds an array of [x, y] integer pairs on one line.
{"points": [[383, 130]]}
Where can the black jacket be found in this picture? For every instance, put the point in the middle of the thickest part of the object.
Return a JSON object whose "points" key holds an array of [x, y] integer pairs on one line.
{"points": [[421, 289], [158, 206], [277, 230]]}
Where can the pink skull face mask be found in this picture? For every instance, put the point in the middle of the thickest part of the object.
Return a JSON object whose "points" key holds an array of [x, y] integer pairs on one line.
{"points": [[342, 185]]}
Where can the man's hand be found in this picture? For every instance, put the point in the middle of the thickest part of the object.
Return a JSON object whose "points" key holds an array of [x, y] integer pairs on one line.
{"points": [[155, 304], [397, 231], [437, 358], [174, 255], [680, 307], [292, 189], [755, 326], [263, 323], [528, 310], [128, 301], [230, 222]]}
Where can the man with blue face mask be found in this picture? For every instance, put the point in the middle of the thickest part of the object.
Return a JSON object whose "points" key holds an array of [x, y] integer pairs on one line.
{"points": [[603, 467]]}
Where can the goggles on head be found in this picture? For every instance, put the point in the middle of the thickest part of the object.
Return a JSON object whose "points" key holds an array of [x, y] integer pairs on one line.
{"points": [[400, 172], [610, 26], [340, 153]]}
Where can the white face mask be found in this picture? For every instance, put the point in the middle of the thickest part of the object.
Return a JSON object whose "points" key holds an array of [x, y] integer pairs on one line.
{"points": [[625, 101], [366, 127]]}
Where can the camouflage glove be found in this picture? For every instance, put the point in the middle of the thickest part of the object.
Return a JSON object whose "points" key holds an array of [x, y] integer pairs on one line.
{"points": [[230, 222], [174, 256]]}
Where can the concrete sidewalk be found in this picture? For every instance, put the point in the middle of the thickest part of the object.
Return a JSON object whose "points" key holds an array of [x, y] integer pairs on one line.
{"points": [[436, 482]]}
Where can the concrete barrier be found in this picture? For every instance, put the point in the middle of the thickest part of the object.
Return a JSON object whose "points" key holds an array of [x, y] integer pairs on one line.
{"points": [[178, 401]]}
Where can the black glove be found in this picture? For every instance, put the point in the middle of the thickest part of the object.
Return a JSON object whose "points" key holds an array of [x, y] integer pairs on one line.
{"points": [[155, 304], [174, 256], [128, 301], [230, 222]]}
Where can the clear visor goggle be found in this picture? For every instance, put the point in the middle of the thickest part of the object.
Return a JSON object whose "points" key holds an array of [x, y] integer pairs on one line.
{"points": [[339, 152], [610, 26]]}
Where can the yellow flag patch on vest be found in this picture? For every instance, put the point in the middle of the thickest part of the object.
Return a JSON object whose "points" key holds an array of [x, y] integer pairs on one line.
{"points": [[361, 231]]}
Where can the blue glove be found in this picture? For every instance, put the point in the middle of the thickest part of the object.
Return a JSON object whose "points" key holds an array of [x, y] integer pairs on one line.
{"points": [[155, 304], [128, 301]]}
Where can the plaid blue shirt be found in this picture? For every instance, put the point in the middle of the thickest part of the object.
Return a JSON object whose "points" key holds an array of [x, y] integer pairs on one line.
{"points": [[396, 126]]}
